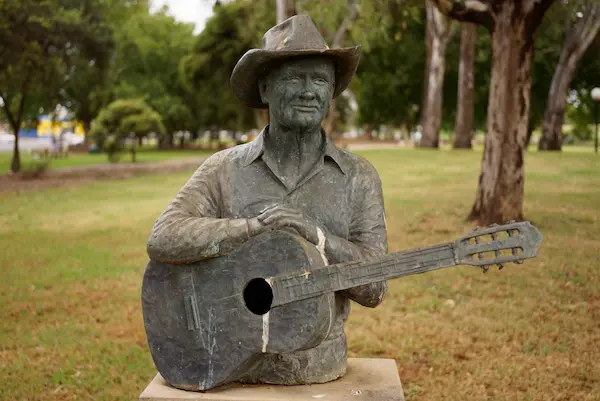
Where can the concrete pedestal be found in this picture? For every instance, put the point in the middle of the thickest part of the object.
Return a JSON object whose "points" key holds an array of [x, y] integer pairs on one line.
{"points": [[365, 380]]}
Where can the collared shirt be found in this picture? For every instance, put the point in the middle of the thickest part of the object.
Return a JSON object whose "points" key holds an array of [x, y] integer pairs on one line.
{"points": [[341, 193]]}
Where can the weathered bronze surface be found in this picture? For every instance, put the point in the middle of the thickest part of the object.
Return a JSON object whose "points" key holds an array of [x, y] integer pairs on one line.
{"points": [[233, 317], [291, 178]]}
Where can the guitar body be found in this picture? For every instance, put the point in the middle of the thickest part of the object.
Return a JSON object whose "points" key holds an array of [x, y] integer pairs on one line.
{"points": [[200, 330]]}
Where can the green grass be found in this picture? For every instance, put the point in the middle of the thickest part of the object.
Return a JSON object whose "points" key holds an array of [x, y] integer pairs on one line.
{"points": [[85, 159], [72, 260]]}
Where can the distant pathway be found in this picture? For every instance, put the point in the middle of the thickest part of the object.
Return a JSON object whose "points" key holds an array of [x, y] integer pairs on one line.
{"points": [[68, 176]]}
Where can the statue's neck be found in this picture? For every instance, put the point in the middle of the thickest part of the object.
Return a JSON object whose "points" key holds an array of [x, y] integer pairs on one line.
{"points": [[291, 153], [286, 141]]}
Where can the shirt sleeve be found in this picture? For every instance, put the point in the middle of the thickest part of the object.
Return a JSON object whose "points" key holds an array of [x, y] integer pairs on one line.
{"points": [[367, 233], [190, 229]]}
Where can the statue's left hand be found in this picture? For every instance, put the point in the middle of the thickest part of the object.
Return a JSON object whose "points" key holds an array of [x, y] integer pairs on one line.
{"points": [[280, 218]]}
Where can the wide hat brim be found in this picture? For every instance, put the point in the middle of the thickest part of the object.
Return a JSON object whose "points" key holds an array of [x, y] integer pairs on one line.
{"points": [[256, 63]]}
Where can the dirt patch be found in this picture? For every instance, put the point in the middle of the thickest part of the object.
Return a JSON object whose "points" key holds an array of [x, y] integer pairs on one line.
{"points": [[65, 177]]}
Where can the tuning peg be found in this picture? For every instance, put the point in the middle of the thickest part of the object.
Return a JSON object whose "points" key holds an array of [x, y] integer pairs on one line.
{"points": [[494, 225], [500, 266], [519, 262], [510, 222], [477, 228], [485, 268]]}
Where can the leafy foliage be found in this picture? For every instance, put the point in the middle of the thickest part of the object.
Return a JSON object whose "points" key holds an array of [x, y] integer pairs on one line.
{"points": [[150, 47], [234, 28], [39, 41], [125, 119], [88, 83], [389, 82]]}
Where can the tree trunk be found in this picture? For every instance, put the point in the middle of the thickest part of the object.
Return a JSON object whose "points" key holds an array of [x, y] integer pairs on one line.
{"points": [[86, 129], [338, 41], [438, 35], [463, 130], [284, 9], [15, 120], [261, 116], [330, 119], [578, 39], [15, 164], [501, 182]]}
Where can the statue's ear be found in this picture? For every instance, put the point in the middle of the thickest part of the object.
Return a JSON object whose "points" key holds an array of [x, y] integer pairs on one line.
{"points": [[262, 89]]}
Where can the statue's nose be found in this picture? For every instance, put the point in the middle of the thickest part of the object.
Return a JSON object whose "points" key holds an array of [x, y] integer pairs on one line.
{"points": [[307, 93]]}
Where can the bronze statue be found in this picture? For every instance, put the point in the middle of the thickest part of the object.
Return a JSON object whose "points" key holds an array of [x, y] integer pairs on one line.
{"points": [[254, 262], [291, 177]]}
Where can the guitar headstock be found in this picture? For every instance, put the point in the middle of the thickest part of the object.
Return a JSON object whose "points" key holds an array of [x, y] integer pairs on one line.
{"points": [[498, 244]]}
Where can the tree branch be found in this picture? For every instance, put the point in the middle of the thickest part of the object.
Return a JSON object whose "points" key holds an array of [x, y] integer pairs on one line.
{"points": [[535, 11], [475, 11], [340, 34]]}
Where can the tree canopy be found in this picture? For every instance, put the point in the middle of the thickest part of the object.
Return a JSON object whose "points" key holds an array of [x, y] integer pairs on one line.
{"points": [[40, 42], [83, 55], [234, 28]]}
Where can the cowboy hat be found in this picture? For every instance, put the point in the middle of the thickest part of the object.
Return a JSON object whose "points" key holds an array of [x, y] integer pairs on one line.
{"points": [[295, 37]]}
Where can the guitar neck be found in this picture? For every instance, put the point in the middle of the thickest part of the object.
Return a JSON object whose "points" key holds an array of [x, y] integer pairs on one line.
{"points": [[346, 275]]}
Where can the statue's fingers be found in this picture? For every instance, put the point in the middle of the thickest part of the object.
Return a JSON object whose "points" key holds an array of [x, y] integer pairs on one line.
{"points": [[274, 215]]}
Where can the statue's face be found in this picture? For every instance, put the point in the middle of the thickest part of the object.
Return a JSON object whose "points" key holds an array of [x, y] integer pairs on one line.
{"points": [[298, 92]]}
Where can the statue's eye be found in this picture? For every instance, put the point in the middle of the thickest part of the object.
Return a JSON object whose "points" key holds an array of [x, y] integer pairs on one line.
{"points": [[294, 80], [320, 81]]}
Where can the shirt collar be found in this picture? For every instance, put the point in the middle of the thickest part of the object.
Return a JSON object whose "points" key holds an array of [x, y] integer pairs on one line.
{"points": [[256, 149]]}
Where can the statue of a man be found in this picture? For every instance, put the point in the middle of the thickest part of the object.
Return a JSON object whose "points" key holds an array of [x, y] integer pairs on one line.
{"points": [[291, 177]]}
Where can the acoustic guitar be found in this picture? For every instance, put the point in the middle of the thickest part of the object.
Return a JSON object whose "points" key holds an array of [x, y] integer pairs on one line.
{"points": [[208, 322]]}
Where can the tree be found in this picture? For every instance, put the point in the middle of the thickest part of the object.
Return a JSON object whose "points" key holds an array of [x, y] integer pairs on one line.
{"points": [[463, 130], [583, 26], [89, 85], [512, 24], [386, 90], [285, 9], [150, 48], [125, 119], [439, 32], [38, 40], [234, 28]]}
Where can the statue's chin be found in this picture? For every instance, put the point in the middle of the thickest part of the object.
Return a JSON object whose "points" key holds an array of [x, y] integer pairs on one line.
{"points": [[306, 124]]}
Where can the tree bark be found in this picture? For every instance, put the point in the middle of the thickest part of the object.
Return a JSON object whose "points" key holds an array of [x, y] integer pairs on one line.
{"points": [[15, 164], [338, 41], [284, 9], [438, 35], [512, 24], [502, 181], [463, 130], [15, 120], [579, 37], [86, 129]]}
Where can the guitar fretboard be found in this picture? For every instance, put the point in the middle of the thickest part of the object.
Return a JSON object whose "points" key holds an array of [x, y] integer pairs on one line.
{"points": [[346, 275]]}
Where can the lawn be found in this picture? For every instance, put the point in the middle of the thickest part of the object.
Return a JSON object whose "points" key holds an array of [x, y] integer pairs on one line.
{"points": [[72, 261], [85, 159]]}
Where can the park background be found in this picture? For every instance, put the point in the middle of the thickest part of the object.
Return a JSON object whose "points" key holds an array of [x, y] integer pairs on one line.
{"points": [[132, 81]]}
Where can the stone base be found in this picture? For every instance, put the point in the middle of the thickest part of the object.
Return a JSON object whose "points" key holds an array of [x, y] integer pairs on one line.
{"points": [[365, 380]]}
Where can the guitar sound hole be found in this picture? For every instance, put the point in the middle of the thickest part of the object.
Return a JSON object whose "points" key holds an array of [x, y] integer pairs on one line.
{"points": [[258, 296]]}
